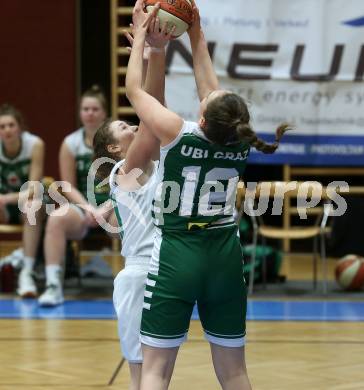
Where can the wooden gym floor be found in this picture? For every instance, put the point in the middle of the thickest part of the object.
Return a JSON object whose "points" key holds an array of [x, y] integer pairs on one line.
{"points": [[72, 354], [47, 354]]}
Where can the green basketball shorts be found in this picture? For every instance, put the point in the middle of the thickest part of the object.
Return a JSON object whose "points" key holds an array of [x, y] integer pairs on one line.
{"points": [[204, 266]]}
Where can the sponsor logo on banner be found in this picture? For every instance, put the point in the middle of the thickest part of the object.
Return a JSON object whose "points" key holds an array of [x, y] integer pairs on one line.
{"points": [[291, 63], [358, 22]]}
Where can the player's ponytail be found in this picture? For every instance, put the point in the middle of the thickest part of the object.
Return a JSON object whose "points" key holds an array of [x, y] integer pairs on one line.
{"points": [[227, 122], [246, 134]]}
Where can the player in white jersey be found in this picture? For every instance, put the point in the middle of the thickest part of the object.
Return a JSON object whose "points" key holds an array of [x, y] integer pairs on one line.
{"points": [[134, 212], [21, 160]]}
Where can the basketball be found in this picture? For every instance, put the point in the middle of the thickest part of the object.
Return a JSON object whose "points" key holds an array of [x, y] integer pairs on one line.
{"points": [[175, 12], [349, 272]]}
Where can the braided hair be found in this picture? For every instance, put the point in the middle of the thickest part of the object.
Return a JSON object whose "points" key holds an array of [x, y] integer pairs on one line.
{"points": [[227, 122]]}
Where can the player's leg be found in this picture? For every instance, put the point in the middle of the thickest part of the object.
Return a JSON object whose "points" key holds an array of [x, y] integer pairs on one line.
{"points": [[222, 308], [17, 253], [135, 375], [4, 215], [158, 365], [128, 299], [31, 238], [63, 224], [167, 307], [230, 367], [32, 234]]}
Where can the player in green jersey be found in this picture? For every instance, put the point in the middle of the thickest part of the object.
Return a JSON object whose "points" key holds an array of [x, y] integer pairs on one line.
{"points": [[73, 220], [21, 160], [196, 255]]}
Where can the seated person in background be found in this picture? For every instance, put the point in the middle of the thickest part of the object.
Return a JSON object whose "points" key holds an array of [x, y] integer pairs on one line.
{"points": [[21, 160], [73, 220]]}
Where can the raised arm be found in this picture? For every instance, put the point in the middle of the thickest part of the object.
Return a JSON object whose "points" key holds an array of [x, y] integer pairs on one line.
{"points": [[205, 76], [163, 123], [153, 83], [146, 145]]}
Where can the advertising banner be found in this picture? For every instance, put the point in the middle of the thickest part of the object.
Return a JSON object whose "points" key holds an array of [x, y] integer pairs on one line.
{"points": [[293, 61]]}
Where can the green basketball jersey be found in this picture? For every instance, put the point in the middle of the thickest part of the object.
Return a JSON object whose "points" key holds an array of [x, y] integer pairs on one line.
{"points": [[83, 155], [14, 172], [198, 181]]}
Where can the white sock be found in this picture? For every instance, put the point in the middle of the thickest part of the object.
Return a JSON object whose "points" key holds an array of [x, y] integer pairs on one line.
{"points": [[28, 263], [53, 274]]}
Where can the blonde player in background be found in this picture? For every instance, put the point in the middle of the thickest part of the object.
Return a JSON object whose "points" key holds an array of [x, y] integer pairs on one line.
{"points": [[133, 209], [73, 220]]}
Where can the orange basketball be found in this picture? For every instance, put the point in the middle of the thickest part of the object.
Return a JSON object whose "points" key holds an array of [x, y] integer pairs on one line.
{"points": [[175, 12], [349, 272]]}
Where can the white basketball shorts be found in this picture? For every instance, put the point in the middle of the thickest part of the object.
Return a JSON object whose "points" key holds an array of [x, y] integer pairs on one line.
{"points": [[128, 297]]}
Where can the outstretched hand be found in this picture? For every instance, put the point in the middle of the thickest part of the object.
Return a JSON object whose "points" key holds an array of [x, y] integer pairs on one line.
{"points": [[157, 37], [196, 22], [141, 19], [129, 37], [139, 16], [147, 48]]}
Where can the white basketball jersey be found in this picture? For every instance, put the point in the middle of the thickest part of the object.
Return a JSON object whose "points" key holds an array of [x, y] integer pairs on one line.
{"points": [[14, 172], [76, 143], [28, 140], [134, 212]]}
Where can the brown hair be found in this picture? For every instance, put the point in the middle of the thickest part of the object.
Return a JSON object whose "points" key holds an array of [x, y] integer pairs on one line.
{"points": [[227, 122], [96, 92], [8, 109], [104, 137]]}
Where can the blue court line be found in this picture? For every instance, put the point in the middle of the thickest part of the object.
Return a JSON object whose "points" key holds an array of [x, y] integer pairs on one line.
{"points": [[284, 310], [305, 311], [83, 309]]}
